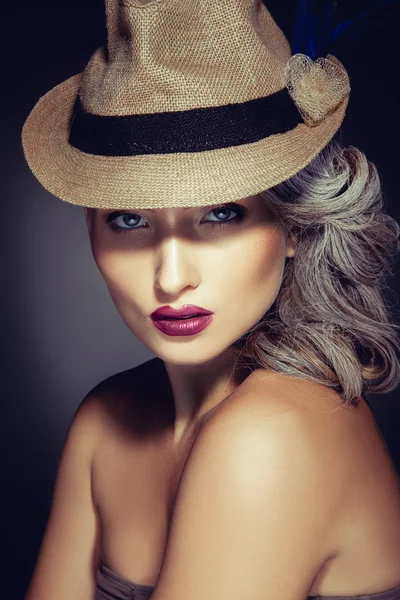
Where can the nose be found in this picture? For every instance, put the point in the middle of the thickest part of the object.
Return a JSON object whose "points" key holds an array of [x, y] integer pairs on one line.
{"points": [[176, 267]]}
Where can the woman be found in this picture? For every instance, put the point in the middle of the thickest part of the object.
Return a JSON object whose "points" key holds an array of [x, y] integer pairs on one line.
{"points": [[247, 250]]}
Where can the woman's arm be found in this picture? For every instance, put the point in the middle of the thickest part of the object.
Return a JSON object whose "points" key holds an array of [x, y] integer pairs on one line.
{"points": [[68, 557]]}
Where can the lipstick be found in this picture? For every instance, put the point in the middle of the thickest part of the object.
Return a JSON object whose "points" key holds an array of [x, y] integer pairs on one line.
{"points": [[187, 320]]}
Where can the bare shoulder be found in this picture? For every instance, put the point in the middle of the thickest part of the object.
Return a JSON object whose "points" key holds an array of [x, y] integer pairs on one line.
{"points": [[123, 382], [307, 424], [339, 442], [129, 398], [274, 397], [348, 431], [296, 418]]}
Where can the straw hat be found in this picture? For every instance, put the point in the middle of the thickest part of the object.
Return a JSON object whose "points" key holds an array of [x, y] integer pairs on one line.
{"points": [[190, 102]]}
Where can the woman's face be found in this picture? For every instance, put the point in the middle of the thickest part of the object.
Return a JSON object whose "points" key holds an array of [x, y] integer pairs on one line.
{"points": [[226, 258]]}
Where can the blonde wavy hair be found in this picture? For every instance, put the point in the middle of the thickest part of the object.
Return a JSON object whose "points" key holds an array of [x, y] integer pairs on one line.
{"points": [[330, 322]]}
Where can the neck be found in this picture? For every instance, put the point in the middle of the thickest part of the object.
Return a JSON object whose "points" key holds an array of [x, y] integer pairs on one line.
{"points": [[197, 389]]}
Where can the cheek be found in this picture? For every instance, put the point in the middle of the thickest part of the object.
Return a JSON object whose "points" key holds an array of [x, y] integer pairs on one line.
{"points": [[271, 258], [259, 265], [127, 275]]}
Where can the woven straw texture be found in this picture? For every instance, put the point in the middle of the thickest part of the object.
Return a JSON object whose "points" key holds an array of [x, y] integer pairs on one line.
{"points": [[171, 55]]}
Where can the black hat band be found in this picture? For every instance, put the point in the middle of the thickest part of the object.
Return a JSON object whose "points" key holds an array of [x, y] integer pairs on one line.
{"points": [[193, 130]]}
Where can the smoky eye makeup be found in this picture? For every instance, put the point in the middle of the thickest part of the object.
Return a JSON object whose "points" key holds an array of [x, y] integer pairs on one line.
{"points": [[129, 219], [219, 215], [238, 211]]}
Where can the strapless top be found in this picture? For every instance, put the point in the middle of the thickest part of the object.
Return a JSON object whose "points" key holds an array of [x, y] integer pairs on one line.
{"points": [[111, 586]]}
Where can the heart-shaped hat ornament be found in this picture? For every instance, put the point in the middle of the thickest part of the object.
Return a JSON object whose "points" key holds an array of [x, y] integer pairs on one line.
{"points": [[316, 87]]}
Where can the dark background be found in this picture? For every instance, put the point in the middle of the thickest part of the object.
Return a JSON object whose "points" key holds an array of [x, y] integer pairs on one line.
{"points": [[61, 333]]}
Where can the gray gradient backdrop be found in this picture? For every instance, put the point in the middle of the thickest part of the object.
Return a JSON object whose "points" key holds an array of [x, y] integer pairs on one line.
{"points": [[61, 333]]}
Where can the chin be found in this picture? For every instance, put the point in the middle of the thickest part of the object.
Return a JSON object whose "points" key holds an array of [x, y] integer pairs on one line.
{"points": [[186, 353]]}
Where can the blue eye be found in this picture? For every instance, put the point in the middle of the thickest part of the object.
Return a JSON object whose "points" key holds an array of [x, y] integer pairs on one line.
{"points": [[128, 221], [222, 212], [131, 221]]}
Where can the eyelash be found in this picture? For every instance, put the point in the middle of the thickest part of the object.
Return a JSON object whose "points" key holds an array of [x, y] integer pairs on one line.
{"points": [[109, 219]]}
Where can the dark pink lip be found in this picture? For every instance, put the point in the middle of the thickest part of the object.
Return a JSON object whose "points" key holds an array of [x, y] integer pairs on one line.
{"points": [[189, 326], [187, 310]]}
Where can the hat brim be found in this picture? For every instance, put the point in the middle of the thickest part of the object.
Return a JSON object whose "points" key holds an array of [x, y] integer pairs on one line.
{"points": [[163, 180]]}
